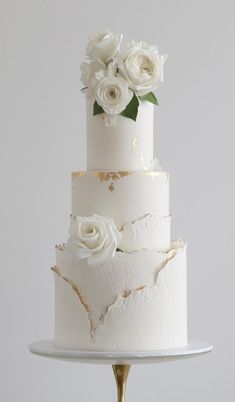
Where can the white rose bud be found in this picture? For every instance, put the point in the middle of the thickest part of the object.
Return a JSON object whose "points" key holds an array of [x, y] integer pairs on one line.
{"points": [[94, 238], [142, 66], [104, 46]]}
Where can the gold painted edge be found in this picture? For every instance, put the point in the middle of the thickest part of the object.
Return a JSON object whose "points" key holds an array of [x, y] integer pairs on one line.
{"points": [[121, 173], [111, 178], [78, 174]]}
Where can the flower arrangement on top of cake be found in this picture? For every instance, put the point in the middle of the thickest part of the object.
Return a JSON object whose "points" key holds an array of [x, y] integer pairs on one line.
{"points": [[116, 81]]}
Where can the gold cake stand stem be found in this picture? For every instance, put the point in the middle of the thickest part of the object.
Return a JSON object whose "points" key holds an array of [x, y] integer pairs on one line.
{"points": [[121, 372]]}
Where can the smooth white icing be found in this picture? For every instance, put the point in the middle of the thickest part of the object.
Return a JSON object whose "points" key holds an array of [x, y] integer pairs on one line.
{"points": [[126, 146], [123, 199], [137, 301]]}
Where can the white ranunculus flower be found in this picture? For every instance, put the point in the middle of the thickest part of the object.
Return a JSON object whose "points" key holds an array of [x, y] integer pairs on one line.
{"points": [[142, 66], [94, 238], [113, 94], [104, 46]]}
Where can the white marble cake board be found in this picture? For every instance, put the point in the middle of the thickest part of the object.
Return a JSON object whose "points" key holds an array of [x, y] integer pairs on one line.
{"points": [[46, 348]]}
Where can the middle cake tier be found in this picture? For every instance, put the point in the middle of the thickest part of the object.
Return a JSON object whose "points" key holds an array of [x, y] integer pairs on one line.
{"points": [[126, 197]]}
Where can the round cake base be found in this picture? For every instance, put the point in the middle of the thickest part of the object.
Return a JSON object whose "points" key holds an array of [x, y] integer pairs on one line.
{"points": [[46, 348]]}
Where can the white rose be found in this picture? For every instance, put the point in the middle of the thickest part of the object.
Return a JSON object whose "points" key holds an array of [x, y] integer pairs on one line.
{"points": [[94, 238], [142, 66], [104, 46], [112, 92], [89, 69], [88, 75]]}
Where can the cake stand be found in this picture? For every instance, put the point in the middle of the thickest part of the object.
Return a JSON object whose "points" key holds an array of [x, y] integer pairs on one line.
{"points": [[120, 361]]}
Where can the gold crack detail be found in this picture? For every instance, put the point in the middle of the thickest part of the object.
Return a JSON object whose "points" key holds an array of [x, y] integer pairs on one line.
{"points": [[127, 293], [78, 293], [122, 227]]}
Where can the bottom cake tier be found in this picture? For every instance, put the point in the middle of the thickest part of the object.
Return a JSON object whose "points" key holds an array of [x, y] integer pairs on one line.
{"points": [[137, 301]]}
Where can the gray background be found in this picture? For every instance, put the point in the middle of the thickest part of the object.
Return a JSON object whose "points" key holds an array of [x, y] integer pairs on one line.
{"points": [[43, 140]]}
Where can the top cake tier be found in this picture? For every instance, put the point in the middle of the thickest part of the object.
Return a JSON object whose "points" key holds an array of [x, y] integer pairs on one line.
{"points": [[128, 145], [120, 86]]}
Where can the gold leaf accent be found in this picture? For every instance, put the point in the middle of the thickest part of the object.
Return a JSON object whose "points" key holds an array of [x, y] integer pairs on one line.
{"points": [[111, 176], [114, 176], [78, 174], [135, 143], [111, 187]]}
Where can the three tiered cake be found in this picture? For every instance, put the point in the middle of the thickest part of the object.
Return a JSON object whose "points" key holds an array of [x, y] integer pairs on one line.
{"points": [[120, 282]]}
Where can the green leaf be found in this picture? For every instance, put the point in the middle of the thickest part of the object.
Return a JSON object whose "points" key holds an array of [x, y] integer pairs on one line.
{"points": [[97, 109], [131, 110], [149, 97]]}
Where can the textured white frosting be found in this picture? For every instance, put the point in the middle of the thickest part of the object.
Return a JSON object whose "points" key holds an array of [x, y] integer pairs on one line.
{"points": [[136, 301], [149, 232], [125, 146], [122, 196]]}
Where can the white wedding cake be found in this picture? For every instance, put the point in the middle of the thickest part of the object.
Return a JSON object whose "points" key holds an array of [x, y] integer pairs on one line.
{"points": [[120, 282]]}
